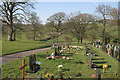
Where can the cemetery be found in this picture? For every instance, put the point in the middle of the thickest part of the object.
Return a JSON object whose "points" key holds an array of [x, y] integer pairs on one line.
{"points": [[72, 62], [39, 44]]}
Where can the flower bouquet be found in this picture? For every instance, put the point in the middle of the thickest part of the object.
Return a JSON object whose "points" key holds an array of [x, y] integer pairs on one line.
{"points": [[49, 76]]}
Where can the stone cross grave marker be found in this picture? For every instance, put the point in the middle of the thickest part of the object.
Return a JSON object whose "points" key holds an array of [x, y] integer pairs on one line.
{"points": [[23, 68]]}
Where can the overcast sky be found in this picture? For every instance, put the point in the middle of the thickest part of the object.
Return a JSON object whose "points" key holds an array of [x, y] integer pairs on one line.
{"points": [[45, 9]]}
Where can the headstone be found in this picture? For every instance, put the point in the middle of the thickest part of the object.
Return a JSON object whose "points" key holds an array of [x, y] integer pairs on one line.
{"points": [[56, 52], [68, 45], [119, 55], [32, 63], [103, 47], [90, 60], [87, 50], [112, 50], [98, 74], [60, 48], [106, 49], [116, 54]]}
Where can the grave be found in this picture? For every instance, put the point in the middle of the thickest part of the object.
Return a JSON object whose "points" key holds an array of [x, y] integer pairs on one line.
{"points": [[56, 52], [98, 74], [112, 51], [68, 45], [90, 60], [119, 56], [23, 69], [34, 66], [116, 54]]}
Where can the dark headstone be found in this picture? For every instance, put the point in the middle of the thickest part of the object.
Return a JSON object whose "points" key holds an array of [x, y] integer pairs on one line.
{"points": [[116, 54], [32, 60], [98, 74], [32, 64], [119, 56], [68, 45], [112, 51], [56, 53], [60, 47]]}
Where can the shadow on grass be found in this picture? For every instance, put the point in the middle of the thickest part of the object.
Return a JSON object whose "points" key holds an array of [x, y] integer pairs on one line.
{"points": [[79, 74], [100, 62], [67, 55], [65, 70], [101, 67], [99, 59], [79, 62], [41, 56]]}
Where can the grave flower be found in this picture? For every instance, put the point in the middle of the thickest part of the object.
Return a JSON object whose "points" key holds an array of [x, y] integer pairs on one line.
{"points": [[60, 67], [49, 76]]}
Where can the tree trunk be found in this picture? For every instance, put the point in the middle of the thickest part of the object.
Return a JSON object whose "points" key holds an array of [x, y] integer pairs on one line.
{"points": [[34, 35], [10, 33], [104, 23], [106, 41], [14, 36], [57, 40], [81, 40], [78, 41]]}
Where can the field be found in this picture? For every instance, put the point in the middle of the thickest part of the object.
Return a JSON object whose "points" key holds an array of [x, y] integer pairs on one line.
{"points": [[9, 47], [77, 68]]}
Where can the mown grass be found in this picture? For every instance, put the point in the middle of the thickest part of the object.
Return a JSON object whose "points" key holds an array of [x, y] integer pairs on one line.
{"points": [[104, 58], [9, 47], [70, 67], [24, 44], [18, 46]]}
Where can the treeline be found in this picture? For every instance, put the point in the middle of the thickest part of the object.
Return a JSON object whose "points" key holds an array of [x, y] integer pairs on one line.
{"points": [[17, 16]]}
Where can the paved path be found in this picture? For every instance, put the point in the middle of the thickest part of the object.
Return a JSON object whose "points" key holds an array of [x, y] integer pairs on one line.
{"points": [[11, 57]]}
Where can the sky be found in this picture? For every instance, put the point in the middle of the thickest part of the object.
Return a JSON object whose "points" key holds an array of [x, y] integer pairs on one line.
{"points": [[45, 9]]}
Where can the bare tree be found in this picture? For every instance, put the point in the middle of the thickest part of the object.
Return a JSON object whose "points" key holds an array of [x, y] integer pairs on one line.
{"points": [[35, 24], [12, 11], [56, 21], [93, 29], [104, 10]]}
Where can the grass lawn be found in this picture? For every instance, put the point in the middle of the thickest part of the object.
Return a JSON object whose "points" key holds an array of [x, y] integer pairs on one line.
{"points": [[9, 47], [77, 68], [18, 46]]}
